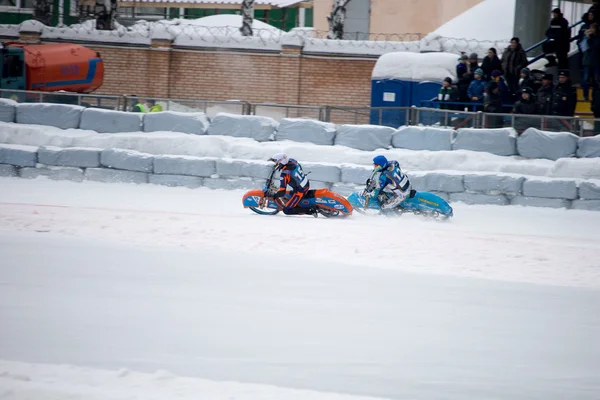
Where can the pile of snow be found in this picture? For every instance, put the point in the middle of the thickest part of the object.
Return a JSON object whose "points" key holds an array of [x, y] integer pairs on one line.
{"points": [[55, 382], [245, 148], [489, 20], [415, 67]]}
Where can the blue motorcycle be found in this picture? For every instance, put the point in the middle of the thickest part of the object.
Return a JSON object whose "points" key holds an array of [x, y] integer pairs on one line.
{"points": [[418, 203]]}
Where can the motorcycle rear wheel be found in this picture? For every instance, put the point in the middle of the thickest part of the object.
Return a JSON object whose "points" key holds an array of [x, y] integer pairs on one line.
{"points": [[264, 211]]}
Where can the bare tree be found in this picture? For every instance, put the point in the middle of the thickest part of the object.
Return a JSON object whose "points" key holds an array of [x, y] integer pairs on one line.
{"points": [[336, 20], [247, 17], [106, 12], [42, 11]]}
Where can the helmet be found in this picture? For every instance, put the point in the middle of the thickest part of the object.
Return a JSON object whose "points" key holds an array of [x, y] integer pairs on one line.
{"points": [[280, 159], [380, 162]]}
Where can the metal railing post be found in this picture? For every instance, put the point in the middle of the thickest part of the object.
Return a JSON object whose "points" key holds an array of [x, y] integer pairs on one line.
{"points": [[446, 117], [380, 120]]}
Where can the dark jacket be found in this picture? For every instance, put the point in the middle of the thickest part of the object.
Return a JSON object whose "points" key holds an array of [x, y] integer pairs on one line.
{"points": [[596, 103], [448, 95], [544, 99], [530, 107], [463, 87], [504, 92], [489, 65], [492, 103], [559, 31], [526, 82], [514, 60], [564, 100], [591, 58], [461, 70]]}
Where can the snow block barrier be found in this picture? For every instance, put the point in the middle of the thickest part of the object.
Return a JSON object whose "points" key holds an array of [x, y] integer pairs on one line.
{"points": [[129, 160], [591, 205], [109, 121], [501, 142], [589, 147], [69, 157], [322, 173], [19, 155], [231, 184], [8, 170], [423, 138], [540, 202], [365, 137], [493, 184], [552, 189], [63, 116], [589, 190], [55, 173], [239, 168], [534, 143], [251, 126], [345, 189], [437, 182], [115, 175], [184, 165], [476, 198], [8, 110], [191, 182], [306, 130], [355, 174], [194, 123]]}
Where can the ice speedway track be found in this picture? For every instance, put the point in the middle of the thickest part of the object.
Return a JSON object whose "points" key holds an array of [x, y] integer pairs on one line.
{"points": [[111, 291]]}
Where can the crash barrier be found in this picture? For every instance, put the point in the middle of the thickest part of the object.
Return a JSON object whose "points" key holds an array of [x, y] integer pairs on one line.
{"points": [[129, 166], [532, 143], [382, 116]]}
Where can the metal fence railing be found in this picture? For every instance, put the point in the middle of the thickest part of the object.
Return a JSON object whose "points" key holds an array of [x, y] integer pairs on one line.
{"points": [[454, 117]]}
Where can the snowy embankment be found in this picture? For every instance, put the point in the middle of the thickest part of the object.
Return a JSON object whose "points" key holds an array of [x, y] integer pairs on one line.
{"points": [[21, 381], [174, 143]]}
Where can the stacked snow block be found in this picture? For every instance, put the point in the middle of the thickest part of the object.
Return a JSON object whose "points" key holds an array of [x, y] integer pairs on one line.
{"points": [[437, 182], [69, 157], [556, 193], [109, 121], [62, 116], [423, 138], [493, 184], [194, 123], [237, 168], [306, 130], [365, 137], [18, 155], [258, 128], [589, 196], [127, 166], [184, 171], [322, 173], [534, 143], [232, 183], [356, 174], [501, 142], [479, 198], [589, 147], [55, 173], [8, 170], [7, 110]]}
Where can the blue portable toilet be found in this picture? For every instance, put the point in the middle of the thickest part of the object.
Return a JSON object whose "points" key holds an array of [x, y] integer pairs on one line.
{"points": [[404, 79]]}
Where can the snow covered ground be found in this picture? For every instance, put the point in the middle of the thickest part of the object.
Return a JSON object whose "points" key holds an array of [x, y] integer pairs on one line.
{"points": [[153, 292]]}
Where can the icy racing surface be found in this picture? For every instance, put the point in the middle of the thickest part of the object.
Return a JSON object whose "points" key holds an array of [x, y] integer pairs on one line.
{"points": [[112, 291]]}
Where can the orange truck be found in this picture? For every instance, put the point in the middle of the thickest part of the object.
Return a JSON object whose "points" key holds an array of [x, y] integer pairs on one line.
{"points": [[50, 68]]}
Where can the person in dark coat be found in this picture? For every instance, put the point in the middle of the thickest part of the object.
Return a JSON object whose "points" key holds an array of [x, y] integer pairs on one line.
{"points": [[462, 67], [490, 63], [596, 108], [559, 35], [526, 81], [565, 96], [595, 10], [477, 88], [588, 20], [514, 60], [504, 92], [473, 63], [545, 95], [591, 59], [527, 105], [492, 103], [447, 94]]}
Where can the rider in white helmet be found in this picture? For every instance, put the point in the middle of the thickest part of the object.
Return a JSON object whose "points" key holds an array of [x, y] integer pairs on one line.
{"points": [[292, 175]]}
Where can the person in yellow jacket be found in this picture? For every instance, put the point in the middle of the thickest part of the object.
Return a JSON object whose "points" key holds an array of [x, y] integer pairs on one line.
{"points": [[153, 106]]}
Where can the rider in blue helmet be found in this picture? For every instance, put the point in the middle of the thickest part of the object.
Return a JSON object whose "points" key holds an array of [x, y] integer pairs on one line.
{"points": [[390, 180]]}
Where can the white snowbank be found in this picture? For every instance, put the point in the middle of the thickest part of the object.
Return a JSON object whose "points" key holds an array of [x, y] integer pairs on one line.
{"points": [[58, 382], [244, 148], [416, 66], [488, 20]]}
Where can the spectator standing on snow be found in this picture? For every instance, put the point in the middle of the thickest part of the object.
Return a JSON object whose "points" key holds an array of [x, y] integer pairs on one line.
{"points": [[447, 94], [464, 79], [505, 94], [514, 60], [477, 87], [473, 63], [559, 35], [490, 63], [527, 105], [588, 20], [545, 95], [493, 104], [591, 59], [462, 67], [565, 96], [525, 82]]}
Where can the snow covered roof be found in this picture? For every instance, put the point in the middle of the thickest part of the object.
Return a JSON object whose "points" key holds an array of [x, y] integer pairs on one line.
{"points": [[488, 20], [416, 66], [258, 4]]}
